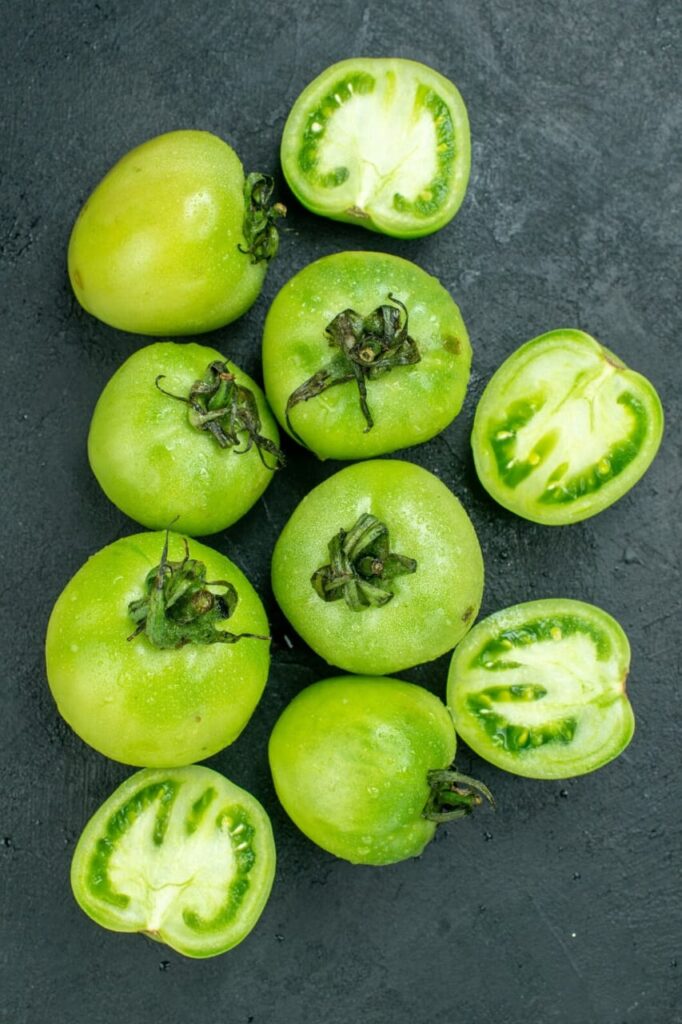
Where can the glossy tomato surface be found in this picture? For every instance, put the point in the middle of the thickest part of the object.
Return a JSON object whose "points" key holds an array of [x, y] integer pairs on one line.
{"points": [[157, 247], [181, 854], [380, 142], [564, 429], [427, 608], [154, 464], [408, 402], [350, 758], [539, 688], [135, 702]]}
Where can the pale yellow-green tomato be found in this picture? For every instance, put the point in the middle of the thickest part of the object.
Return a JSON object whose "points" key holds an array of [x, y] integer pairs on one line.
{"points": [[160, 247]]}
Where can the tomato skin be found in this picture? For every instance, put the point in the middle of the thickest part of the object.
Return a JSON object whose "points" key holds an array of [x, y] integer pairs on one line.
{"points": [[430, 610], [155, 248], [350, 757], [136, 703], [157, 468], [409, 404], [361, 178], [564, 429], [538, 689], [197, 837]]}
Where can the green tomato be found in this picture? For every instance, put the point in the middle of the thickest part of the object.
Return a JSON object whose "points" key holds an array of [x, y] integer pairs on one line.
{"points": [[182, 855], [141, 658], [539, 689], [379, 568], [173, 240], [564, 429], [162, 460], [364, 353], [381, 142], [362, 766]]}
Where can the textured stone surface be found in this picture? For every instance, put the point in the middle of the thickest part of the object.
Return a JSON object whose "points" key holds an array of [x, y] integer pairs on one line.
{"points": [[564, 906]]}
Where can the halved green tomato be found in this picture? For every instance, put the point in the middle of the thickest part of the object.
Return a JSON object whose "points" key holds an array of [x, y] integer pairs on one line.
{"points": [[364, 353], [564, 429], [181, 854], [381, 142], [538, 689]]}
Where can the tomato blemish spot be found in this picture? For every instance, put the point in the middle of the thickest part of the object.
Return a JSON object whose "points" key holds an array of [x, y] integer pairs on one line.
{"points": [[77, 279]]}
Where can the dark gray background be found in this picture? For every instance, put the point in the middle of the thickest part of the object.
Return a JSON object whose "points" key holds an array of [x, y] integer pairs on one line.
{"points": [[564, 905]]}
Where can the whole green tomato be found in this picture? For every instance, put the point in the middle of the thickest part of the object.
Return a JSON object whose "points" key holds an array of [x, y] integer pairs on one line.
{"points": [[362, 766], [157, 651], [379, 568], [538, 689], [180, 435], [174, 240], [382, 142], [181, 854], [364, 353]]}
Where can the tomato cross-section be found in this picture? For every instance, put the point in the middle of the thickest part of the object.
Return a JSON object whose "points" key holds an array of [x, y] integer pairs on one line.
{"points": [[182, 854], [538, 689], [381, 142], [564, 429]]}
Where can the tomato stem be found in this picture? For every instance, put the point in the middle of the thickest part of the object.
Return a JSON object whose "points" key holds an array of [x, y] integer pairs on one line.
{"points": [[454, 795], [361, 566], [178, 608], [222, 407], [367, 347], [260, 234]]}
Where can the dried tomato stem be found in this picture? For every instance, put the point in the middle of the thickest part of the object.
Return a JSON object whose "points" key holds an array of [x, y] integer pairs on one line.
{"points": [[361, 566], [367, 347], [225, 409], [177, 607], [260, 234], [454, 795]]}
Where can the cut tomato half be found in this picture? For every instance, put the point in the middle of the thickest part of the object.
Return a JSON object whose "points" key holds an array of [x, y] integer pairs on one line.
{"points": [[181, 854], [381, 142], [564, 429], [538, 689]]}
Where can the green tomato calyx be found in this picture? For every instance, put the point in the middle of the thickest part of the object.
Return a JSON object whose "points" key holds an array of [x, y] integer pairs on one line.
{"points": [[260, 234], [367, 347], [178, 608], [361, 567], [454, 795], [226, 409]]}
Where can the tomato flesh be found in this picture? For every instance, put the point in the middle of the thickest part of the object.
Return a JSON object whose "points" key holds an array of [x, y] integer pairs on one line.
{"points": [[156, 247], [431, 608], [137, 703], [538, 689], [564, 429], [183, 855], [380, 142], [409, 404], [350, 758], [154, 465]]}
